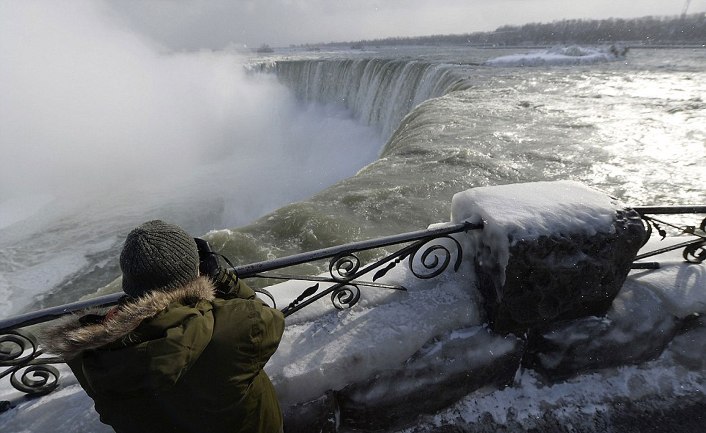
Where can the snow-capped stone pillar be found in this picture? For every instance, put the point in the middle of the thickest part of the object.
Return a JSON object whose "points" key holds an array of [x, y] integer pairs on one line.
{"points": [[548, 251]]}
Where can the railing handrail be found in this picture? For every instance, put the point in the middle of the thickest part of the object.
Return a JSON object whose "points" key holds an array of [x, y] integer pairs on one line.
{"points": [[244, 271], [670, 210], [247, 270]]}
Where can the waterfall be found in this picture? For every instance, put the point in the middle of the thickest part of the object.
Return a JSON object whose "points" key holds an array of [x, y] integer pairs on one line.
{"points": [[379, 92]]}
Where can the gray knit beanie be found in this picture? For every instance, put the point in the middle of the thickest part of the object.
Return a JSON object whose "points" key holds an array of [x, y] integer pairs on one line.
{"points": [[158, 256]]}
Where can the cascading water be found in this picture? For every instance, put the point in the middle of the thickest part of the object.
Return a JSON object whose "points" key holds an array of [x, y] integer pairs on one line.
{"points": [[451, 126], [380, 92]]}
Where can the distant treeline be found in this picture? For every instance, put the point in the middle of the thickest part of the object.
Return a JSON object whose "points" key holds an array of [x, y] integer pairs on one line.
{"points": [[688, 29]]}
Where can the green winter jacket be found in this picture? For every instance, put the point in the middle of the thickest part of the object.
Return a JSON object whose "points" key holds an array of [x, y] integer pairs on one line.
{"points": [[178, 361]]}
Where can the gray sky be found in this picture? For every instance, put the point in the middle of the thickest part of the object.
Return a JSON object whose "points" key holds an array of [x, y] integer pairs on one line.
{"points": [[189, 24]]}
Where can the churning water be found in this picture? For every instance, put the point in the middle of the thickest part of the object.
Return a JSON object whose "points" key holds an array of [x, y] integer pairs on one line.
{"points": [[382, 139]]}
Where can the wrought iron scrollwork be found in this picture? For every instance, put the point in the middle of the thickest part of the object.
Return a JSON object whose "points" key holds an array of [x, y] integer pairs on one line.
{"points": [[28, 372], [430, 253], [36, 379], [694, 249], [17, 348], [429, 258], [345, 296], [434, 259], [695, 253], [344, 267]]}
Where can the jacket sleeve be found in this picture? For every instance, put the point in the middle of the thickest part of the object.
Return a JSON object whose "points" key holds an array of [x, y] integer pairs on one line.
{"points": [[254, 328], [271, 325], [242, 290]]}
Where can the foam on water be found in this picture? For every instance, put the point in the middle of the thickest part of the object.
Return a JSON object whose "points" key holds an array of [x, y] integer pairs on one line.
{"points": [[572, 55]]}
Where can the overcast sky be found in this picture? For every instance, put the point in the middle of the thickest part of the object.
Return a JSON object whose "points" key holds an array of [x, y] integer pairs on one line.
{"points": [[189, 24]]}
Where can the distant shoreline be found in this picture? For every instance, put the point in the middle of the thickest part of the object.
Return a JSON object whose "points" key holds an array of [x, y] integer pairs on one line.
{"points": [[636, 46], [627, 44], [684, 31]]}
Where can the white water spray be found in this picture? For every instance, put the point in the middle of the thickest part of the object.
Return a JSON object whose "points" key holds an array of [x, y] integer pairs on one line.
{"points": [[101, 129]]}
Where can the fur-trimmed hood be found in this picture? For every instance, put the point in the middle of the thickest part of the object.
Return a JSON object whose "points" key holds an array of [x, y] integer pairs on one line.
{"points": [[178, 361], [69, 337]]}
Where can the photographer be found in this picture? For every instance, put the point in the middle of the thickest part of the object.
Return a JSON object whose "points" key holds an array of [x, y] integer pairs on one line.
{"points": [[182, 352]]}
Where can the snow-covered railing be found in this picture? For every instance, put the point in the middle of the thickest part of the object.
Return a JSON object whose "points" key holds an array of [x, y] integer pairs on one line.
{"points": [[429, 253]]}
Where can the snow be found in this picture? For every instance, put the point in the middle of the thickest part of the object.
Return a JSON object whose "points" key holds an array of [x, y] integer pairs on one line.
{"points": [[425, 328], [530, 398], [571, 55], [528, 210], [325, 349], [681, 288]]}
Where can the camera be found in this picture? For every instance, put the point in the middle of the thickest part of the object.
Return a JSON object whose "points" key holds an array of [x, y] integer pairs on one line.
{"points": [[208, 260]]}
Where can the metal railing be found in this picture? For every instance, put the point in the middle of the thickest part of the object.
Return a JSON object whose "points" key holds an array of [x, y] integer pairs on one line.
{"points": [[432, 250], [694, 249], [32, 373]]}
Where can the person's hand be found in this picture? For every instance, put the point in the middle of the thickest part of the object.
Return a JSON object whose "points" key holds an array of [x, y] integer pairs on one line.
{"points": [[225, 281]]}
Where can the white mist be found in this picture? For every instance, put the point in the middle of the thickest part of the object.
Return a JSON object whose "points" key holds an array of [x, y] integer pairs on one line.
{"points": [[101, 128]]}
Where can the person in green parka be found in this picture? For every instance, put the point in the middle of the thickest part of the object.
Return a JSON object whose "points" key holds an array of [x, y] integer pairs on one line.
{"points": [[182, 352]]}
